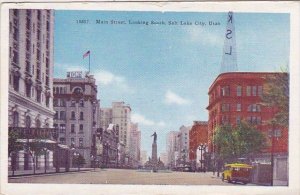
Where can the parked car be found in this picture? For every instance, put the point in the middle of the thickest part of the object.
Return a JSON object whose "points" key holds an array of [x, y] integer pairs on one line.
{"points": [[237, 172]]}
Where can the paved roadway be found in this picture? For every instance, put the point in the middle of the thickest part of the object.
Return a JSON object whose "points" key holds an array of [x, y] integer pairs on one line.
{"points": [[123, 176]]}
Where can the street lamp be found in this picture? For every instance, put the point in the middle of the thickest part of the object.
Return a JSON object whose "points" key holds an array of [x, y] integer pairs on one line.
{"points": [[93, 161], [76, 155], [202, 147], [45, 158]]}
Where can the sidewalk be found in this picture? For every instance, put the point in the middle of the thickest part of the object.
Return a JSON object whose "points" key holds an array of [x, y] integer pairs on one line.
{"points": [[42, 171]]}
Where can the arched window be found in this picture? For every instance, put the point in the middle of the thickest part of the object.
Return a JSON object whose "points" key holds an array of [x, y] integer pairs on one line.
{"points": [[27, 121], [37, 123], [15, 119]]}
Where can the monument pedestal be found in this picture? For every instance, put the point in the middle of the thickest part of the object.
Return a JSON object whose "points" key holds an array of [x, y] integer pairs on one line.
{"points": [[154, 157]]}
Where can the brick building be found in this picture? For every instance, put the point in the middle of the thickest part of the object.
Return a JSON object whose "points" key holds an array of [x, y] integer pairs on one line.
{"points": [[236, 96], [198, 135]]}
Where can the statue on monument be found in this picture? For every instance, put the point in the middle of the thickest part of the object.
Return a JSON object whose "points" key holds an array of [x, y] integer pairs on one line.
{"points": [[154, 137]]}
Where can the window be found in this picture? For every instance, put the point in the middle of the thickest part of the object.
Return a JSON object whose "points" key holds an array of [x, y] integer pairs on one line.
{"points": [[238, 120], [62, 102], [73, 102], [225, 107], [28, 90], [72, 142], [254, 120], [72, 115], [238, 107], [225, 91], [37, 123], [38, 95], [27, 121], [225, 120], [16, 82], [72, 128], [55, 102], [16, 57], [248, 90], [259, 90], [80, 142], [81, 128], [254, 90], [81, 103], [254, 108], [62, 115], [239, 91], [15, 119], [81, 115], [56, 115], [277, 133], [62, 140], [62, 128], [47, 101]]}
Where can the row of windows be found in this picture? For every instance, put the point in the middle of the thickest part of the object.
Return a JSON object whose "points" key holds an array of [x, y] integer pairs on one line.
{"points": [[254, 120], [62, 128], [251, 107], [29, 90], [62, 115], [250, 91], [15, 118], [58, 102], [62, 140]]}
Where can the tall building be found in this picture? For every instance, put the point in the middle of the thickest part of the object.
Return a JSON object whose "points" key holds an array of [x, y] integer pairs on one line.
{"points": [[164, 157], [236, 97], [183, 138], [135, 145], [30, 75], [172, 147], [76, 112], [144, 157], [119, 114]]}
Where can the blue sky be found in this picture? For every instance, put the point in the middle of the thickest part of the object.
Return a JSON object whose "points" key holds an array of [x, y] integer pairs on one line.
{"points": [[164, 71]]}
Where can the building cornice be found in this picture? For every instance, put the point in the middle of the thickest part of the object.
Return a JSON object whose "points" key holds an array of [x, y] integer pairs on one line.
{"points": [[237, 75], [22, 100]]}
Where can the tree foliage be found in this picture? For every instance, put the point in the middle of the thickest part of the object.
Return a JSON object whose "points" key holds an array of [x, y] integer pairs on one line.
{"points": [[13, 145], [276, 94], [240, 141]]}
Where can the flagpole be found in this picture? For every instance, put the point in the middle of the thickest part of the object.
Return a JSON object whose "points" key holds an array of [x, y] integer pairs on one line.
{"points": [[89, 62]]}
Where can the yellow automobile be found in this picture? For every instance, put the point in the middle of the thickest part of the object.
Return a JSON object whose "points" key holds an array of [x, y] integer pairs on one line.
{"points": [[237, 172]]}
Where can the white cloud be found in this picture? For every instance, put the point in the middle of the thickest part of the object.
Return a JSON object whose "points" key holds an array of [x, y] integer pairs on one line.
{"points": [[103, 77], [107, 78], [173, 98], [140, 119], [203, 36]]}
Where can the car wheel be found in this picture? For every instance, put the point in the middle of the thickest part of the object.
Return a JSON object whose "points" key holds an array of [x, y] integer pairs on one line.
{"points": [[229, 180]]}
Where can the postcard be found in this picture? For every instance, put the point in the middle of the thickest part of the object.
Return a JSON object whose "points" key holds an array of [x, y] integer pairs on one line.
{"points": [[150, 98]]}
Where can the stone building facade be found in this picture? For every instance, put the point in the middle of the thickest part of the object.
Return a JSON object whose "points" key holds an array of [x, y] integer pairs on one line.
{"points": [[30, 73], [119, 114], [77, 110]]}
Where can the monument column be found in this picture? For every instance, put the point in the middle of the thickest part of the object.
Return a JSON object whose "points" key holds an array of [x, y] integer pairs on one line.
{"points": [[154, 153]]}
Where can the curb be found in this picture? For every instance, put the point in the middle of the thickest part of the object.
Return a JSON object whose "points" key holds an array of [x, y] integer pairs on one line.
{"points": [[47, 174]]}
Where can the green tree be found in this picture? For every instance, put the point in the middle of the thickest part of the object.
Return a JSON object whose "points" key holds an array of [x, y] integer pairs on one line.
{"points": [[13, 145], [276, 95], [242, 140], [36, 149]]}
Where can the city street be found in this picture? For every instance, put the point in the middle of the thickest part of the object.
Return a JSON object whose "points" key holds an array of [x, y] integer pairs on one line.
{"points": [[122, 176]]}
